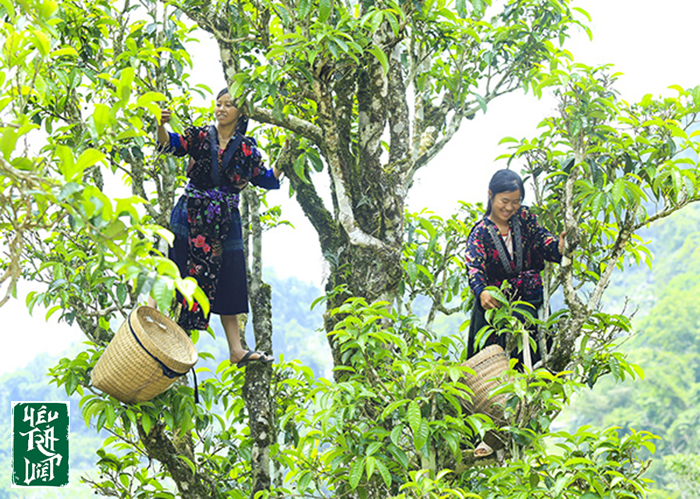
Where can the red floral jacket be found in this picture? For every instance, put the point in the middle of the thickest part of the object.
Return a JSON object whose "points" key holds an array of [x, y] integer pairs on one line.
{"points": [[485, 267]]}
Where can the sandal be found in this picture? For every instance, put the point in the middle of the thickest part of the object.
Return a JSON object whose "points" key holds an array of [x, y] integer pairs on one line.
{"points": [[483, 450], [262, 357]]}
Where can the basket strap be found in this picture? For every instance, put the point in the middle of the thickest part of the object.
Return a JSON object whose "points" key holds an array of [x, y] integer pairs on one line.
{"points": [[196, 387], [167, 372]]}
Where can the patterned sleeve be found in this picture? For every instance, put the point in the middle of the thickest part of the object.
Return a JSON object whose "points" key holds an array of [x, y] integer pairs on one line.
{"points": [[179, 145], [476, 260], [543, 240], [260, 176]]}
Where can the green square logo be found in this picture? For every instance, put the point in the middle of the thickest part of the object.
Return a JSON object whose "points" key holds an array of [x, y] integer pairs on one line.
{"points": [[40, 432]]}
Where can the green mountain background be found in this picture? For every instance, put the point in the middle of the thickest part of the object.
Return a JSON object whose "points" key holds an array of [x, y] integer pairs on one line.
{"points": [[666, 344], [298, 335]]}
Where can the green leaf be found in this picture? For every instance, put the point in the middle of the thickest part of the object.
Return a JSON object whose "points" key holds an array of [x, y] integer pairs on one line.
{"points": [[388, 410], [396, 434], [149, 98], [167, 235], [189, 463], [128, 206], [324, 11], [71, 383], [356, 473], [332, 47], [101, 419], [111, 416], [304, 481], [115, 230], [65, 51], [394, 23], [412, 271], [166, 267], [384, 472], [638, 370], [452, 442], [454, 373], [9, 8], [52, 311], [163, 291], [370, 463], [506, 140], [146, 423], [88, 158], [9, 141], [481, 101], [304, 8], [315, 160], [126, 79], [41, 41], [428, 226], [421, 437], [399, 455], [67, 162], [191, 291], [374, 447], [462, 8], [101, 117], [124, 479], [618, 190], [381, 57], [300, 168]]}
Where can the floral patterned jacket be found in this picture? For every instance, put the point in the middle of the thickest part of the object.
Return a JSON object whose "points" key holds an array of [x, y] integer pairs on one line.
{"points": [[485, 267], [246, 163]]}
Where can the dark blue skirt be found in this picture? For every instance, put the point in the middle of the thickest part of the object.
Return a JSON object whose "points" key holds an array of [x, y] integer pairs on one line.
{"points": [[231, 296]]}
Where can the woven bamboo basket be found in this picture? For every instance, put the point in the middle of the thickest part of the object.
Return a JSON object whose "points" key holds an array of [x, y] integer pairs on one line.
{"points": [[489, 364], [146, 356]]}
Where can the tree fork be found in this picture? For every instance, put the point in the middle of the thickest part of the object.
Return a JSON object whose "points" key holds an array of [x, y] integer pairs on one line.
{"points": [[161, 447]]}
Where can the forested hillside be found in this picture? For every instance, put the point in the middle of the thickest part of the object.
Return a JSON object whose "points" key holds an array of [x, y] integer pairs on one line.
{"points": [[667, 346], [297, 336]]}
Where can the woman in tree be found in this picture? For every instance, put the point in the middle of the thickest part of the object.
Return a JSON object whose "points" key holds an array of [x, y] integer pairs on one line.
{"points": [[206, 222], [507, 244]]}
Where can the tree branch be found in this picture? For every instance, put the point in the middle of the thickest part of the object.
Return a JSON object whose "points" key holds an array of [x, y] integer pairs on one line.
{"points": [[669, 210], [256, 389], [309, 200], [346, 217], [291, 123], [400, 149]]}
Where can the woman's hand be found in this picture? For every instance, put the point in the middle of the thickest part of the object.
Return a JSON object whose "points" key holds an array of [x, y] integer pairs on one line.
{"points": [[561, 242], [165, 115], [487, 301], [163, 137]]}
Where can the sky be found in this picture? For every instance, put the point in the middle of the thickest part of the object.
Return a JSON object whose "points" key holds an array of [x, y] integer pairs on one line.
{"points": [[653, 44]]}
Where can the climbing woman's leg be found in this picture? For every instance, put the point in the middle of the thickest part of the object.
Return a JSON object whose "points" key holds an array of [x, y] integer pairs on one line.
{"points": [[233, 337]]}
